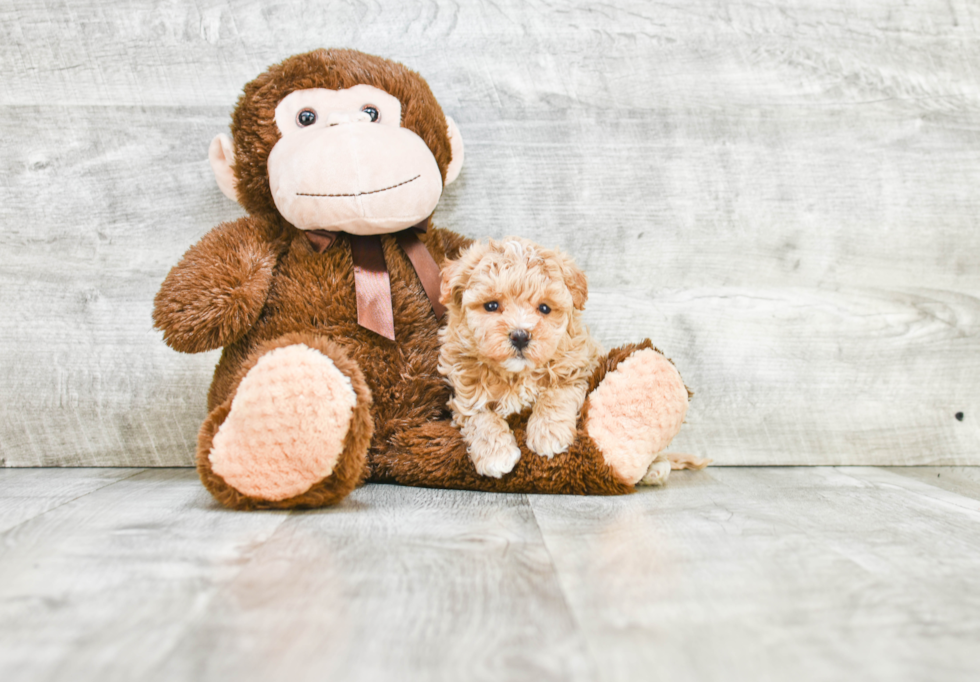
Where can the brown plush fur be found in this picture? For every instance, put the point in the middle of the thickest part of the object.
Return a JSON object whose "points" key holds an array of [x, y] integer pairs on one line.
{"points": [[333, 69], [227, 276], [257, 284], [446, 464], [350, 470]]}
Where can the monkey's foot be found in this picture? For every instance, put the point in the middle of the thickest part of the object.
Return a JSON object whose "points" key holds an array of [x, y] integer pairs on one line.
{"points": [[287, 426], [635, 412]]}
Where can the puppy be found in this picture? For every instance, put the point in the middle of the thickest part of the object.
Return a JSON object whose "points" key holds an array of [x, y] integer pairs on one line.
{"points": [[514, 338]]}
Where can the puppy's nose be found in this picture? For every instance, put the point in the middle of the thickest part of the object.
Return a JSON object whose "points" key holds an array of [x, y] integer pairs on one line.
{"points": [[519, 339]]}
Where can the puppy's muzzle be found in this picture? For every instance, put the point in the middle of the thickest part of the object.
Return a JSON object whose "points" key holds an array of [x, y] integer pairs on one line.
{"points": [[519, 338]]}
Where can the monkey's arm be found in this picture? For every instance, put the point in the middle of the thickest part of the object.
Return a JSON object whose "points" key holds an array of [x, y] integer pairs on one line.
{"points": [[217, 290]]}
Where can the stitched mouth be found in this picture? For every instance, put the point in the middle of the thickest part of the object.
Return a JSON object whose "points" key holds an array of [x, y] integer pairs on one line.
{"points": [[359, 194]]}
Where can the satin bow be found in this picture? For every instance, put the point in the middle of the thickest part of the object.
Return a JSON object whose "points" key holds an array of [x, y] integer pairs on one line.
{"points": [[372, 284]]}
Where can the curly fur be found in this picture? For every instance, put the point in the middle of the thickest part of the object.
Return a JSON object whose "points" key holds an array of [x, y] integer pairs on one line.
{"points": [[491, 377]]}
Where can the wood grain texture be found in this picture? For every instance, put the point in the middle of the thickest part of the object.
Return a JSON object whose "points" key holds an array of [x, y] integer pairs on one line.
{"points": [[963, 481], [104, 587], [783, 196], [728, 574], [26, 493], [91, 220], [396, 583], [773, 574], [851, 376], [150, 580]]}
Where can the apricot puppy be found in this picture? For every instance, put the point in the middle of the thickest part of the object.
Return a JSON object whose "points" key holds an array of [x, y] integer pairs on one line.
{"points": [[514, 338]]}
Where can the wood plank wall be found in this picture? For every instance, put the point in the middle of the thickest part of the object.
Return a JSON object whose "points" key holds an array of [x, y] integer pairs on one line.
{"points": [[783, 195]]}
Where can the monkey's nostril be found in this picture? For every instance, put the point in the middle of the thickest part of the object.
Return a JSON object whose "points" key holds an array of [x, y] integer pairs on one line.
{"points": [[519, 339]]}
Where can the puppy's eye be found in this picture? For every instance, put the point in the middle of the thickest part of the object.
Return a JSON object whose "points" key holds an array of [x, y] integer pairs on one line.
{"points": [[544, 309], [372, 112], [491, 307], [305, 118]]}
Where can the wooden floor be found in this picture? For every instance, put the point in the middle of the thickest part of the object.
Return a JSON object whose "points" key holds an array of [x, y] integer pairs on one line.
{"points": [[727, 574]]}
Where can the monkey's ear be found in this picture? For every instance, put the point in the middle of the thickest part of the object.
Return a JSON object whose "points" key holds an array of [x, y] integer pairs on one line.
{"points": [[221, 154], [456, 144]]}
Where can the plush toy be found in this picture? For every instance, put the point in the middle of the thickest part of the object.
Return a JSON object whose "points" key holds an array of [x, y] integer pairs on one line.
{"points": [[325, 300]]}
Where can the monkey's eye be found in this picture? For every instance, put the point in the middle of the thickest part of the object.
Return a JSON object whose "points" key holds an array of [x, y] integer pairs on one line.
{"points": [[491, 307], [305, 118], [544, 309], [372, 112]]}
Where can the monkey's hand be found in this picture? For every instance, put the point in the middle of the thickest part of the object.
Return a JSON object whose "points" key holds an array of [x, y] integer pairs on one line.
{"points": [[216, 292]]}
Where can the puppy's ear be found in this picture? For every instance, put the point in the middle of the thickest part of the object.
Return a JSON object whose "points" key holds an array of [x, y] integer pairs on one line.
{"points": [[576, 282], [450, 291]]}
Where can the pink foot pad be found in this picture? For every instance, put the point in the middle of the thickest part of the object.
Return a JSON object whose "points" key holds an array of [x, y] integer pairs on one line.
{"points": [[636, 411], [287, 424]]}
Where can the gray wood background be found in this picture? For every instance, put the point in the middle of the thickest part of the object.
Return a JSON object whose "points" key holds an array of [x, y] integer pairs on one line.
{"points": [[784, 196]]}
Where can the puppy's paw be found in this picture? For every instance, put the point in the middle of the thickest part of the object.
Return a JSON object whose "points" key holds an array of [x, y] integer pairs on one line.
{"points": [[547, 437], [657, 473], [495, 458]]}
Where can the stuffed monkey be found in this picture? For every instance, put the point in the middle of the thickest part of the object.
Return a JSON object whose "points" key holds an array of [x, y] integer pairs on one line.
{"points": [[325, 301]]}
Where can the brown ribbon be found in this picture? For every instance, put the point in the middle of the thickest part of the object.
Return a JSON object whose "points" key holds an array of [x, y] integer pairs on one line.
{"points": [[372, 284]]}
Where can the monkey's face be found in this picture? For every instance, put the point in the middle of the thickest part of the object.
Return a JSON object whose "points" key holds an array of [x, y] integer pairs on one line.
{"points": [[344, 162], [338, 140]]}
